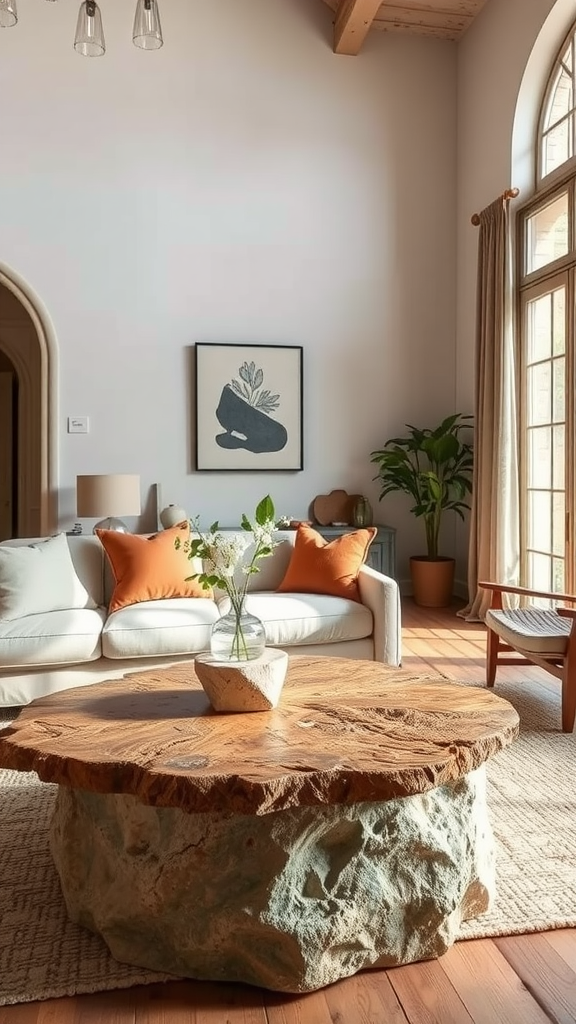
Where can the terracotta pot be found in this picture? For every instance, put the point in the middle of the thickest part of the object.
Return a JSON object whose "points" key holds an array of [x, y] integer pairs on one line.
{"points": [[432, 580]]}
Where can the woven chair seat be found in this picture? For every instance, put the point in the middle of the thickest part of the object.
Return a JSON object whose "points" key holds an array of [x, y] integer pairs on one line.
{"points": [[533, 630]]}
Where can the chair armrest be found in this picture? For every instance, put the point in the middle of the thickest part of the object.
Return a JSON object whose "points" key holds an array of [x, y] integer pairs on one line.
{"points": [[567, 613], [381, 594], [504, 588]]}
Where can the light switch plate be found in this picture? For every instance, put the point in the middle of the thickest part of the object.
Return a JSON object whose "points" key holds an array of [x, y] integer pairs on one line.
{"points": [[77, 424]]}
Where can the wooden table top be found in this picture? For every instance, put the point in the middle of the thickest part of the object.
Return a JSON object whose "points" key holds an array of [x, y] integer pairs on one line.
{"points": [[344, 732]]}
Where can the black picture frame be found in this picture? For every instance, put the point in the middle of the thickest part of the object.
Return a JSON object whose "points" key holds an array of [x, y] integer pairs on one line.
{"points": [[249, 411]]}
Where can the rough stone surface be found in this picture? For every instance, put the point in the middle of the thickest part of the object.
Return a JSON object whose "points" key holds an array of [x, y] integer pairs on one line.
{"points": [[292, 900], [243, 686]]}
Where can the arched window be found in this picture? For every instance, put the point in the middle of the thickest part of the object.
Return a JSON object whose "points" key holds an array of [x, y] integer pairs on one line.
{"points": [[547, 340]]}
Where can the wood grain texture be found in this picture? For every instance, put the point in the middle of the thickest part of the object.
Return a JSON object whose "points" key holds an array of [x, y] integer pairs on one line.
{"points": [[443, 19], [200, 1003], [344, 732], [506, 1000], [430, 989], [352, 24], [546, 975]]}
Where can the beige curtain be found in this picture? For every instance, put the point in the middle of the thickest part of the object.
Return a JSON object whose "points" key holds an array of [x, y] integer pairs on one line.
{"points": [[494, 549]]}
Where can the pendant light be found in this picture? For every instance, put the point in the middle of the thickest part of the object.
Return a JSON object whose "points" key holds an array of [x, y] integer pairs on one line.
{"points": [[147, 33], [89, 39], [8, 13]]}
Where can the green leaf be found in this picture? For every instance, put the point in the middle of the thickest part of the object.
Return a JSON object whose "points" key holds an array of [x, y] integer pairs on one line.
{"points": [[265, 511]]}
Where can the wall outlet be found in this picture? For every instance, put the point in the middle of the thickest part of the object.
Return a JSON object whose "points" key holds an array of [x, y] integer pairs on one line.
{"points": [[77, 424]]}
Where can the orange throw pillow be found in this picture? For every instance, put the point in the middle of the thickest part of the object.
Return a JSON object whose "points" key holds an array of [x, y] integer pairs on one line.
{"points": [[149, 568], [318, 566]]}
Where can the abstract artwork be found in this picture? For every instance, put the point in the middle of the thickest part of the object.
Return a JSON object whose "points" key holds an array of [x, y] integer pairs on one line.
{"points": [[248, 407]]}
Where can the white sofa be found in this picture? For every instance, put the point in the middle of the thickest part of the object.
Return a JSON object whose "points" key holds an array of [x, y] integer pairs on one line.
{"points": [[49, 651]]}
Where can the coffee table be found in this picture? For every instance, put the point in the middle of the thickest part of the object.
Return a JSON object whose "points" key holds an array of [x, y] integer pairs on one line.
{"points": [[347, 828]]}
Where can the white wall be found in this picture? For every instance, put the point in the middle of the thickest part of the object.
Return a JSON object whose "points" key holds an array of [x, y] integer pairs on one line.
{"points": [[243, 183]]}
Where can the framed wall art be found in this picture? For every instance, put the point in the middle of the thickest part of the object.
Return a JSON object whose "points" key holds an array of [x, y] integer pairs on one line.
{"points": [[249, 407]]}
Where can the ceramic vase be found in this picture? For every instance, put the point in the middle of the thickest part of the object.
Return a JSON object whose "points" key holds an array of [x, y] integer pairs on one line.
{"points": [[172, 515]]}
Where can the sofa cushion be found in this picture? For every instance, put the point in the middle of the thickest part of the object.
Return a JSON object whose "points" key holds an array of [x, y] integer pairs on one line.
{"points": [[318, 566], [293, 619], [39, 577], [159, 628], [150, 567], [63, 637], [535, 630]]}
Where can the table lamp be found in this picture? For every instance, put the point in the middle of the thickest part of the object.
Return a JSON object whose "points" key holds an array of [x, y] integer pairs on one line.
{"points": [[109, 495]]}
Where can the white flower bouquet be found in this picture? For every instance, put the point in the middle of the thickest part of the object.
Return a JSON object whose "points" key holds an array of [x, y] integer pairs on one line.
{"points": [[225, 565]]}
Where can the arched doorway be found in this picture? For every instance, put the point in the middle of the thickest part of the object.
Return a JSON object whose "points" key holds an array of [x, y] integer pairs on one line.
{"points": [[28, 353]]}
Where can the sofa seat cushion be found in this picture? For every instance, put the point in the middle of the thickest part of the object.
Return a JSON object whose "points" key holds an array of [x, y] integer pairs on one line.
{"points": [[158, 628], [535, 630], [63, 637], [294, 619]]}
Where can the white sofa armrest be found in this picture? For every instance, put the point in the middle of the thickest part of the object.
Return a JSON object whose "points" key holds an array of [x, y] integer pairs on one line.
{"points": [[381, 595]]}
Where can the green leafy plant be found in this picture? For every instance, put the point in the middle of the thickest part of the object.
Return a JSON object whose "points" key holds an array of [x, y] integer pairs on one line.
{"points": [[434, 467]]}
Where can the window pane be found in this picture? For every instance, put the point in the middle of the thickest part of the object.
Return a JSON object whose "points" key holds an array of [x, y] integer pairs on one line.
{"points": [[539, 571], [558, 584], [539, 394], [559, 322], [540, 457], [558, 459], [547, 234], [539, 338], [539, 521], [560, 99], [558, 524], [559, 396], [556, 146]]}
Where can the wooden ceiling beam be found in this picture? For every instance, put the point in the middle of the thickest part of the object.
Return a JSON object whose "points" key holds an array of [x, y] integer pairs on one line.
{"points": [[352, 24]]}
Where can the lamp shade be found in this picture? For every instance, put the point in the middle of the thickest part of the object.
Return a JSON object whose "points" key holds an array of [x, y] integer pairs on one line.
{"points": [[8, 13], [89, 39], [147, 33], [108, 494]]}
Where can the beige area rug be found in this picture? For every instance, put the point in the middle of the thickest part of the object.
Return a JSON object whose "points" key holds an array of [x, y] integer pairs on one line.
{"points": [[532, 803]]}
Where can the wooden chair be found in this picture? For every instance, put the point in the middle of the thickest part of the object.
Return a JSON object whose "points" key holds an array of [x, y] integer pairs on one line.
{"points": [[542, 636]]}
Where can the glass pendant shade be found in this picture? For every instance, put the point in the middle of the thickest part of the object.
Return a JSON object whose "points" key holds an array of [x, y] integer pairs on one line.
{"points": [[89, 39], [8, 13], [147, 33]]}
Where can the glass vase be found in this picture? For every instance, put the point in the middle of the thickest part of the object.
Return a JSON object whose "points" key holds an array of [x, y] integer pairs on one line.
{"points": [[362, 512], [237, 636]]}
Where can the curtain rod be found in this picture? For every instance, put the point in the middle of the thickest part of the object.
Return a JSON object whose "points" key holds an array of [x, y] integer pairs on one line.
{"points": [[510, 193]]}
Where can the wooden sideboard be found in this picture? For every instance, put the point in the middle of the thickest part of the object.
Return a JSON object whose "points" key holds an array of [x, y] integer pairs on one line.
{"points": [[382, 551]]}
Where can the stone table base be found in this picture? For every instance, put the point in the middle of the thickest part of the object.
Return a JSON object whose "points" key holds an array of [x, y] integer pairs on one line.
{"points": [[292, 900]]}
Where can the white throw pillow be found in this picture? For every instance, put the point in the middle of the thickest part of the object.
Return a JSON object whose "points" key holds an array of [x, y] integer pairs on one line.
{"points": [[39, 577]]}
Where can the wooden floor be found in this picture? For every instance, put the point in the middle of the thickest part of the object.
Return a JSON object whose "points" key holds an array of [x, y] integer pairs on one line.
{"points": [[527, 979]]}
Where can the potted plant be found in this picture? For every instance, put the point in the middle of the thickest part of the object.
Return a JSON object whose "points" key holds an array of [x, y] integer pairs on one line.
{"points": [[434, 467]]}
